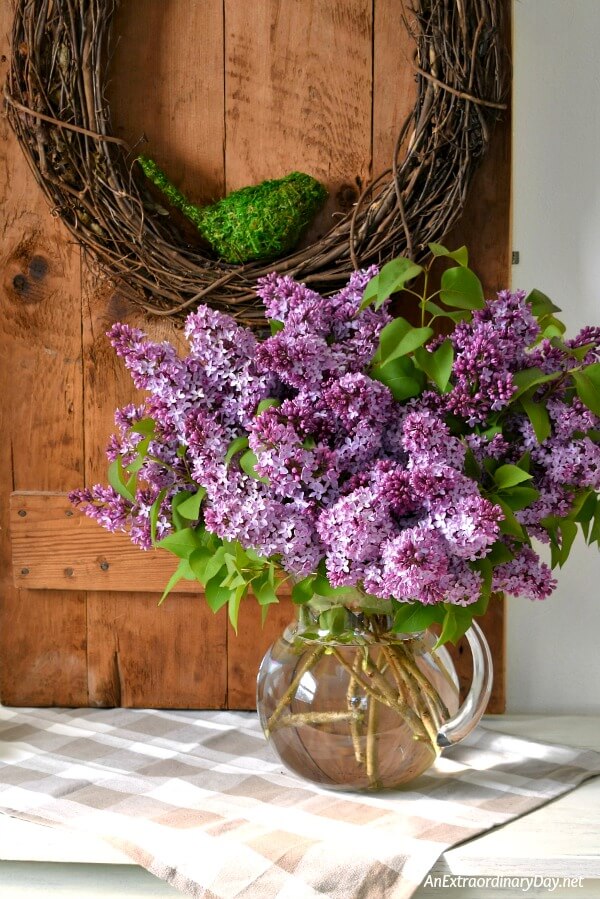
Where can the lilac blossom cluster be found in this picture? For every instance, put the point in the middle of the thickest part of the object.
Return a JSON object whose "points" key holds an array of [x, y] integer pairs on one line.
{"points": [[342, 474]]}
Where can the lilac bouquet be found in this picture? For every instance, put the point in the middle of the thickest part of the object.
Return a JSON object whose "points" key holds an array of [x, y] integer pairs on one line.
{"points": [[378, 467]]}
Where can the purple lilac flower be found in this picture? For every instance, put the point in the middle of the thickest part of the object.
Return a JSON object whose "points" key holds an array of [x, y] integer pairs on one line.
{"points": [[524, 576], [425, 436], [352, 530], [470, 525], [414, 566], [344, 474]]}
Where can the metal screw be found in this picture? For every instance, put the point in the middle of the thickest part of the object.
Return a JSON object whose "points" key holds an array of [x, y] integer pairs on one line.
{"points": [[69, 513], [24, 571], [22, 513], [104, 566], [69, 572]]}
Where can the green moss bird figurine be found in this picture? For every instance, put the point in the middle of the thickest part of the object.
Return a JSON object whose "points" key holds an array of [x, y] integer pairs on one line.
{"points": [[255, 223]]}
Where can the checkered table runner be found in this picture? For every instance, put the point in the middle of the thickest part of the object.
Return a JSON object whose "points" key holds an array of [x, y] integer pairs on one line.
{"points": [[198, 799]]}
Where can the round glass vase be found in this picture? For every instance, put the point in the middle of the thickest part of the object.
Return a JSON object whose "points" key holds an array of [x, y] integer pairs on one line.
{"points": [[370, 709]]}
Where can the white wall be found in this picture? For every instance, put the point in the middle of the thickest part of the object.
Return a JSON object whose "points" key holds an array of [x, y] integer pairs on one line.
{"points": [[553, 662]]}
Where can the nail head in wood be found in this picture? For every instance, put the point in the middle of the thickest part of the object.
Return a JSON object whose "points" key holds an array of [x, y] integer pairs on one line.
{"points": [[69, 572], [24, 571], [22, 513], [104, 566]]}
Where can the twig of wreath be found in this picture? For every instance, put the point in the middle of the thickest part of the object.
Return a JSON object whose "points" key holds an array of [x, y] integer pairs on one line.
{"points": [[56, 104]]}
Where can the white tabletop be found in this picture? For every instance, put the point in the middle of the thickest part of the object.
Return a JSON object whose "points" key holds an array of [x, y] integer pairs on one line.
{"points": [[559, 840]]}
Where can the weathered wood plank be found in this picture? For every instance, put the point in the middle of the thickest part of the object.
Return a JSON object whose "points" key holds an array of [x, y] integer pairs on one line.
{"points": [[246, 649], [394, 85], [167, 86], [298, 95], [42, 643], [137, 654], [144, 657], [57, 548]]}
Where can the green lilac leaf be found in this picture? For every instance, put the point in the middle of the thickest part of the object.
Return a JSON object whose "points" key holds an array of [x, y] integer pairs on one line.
{"points": [[144, 426], [180, 521], [416, 337], [333, 621], [461, 255], [182, 571], [303, 591], [235, 600], [539, 418], [530, 377], [198, 561], [392, 277], [587, 384], [540, 304], [499, 554], [391, 335], [554, 328], [437, 365], [595, 529], [236, 446], [267, 403], [190, 507], [393, 374], [509, 524], [586, 510], [248, 465], [263, 590], [457, 622], [116, 479], [216, 563], [461, 289], [509, 475], [518, 498], [181, 543], [412, 617], [216, 595]]}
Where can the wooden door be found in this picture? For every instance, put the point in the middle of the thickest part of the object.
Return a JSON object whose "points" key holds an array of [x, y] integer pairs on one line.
{"points": [[226, 93]]}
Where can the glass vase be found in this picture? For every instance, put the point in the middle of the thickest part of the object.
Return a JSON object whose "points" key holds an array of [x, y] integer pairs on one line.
{"points": [[369, 709]]}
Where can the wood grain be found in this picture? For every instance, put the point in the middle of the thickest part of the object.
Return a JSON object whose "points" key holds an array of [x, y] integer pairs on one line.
{"points": [[298, 95], [138, 655], [167, 87], [394, 84], [57, 548], [169, 70], [42, 644]]}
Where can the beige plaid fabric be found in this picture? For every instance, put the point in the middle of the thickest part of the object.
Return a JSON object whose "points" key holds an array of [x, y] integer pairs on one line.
{"points": [[198, 799]]}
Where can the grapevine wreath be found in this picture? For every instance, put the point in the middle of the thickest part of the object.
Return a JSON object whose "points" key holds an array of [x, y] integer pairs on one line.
{"points": [[56, 103]]}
